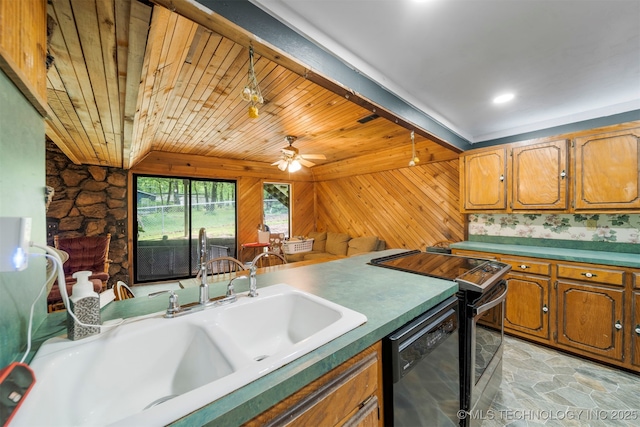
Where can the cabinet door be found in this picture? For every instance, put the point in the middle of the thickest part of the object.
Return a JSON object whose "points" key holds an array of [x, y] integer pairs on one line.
{"points": [[607, 175], [590, 319], [539, 179], [635, 333], [527, 305], [484, 182]]}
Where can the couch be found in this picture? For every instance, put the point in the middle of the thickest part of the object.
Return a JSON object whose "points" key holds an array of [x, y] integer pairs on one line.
{"points": [[330, 245]]}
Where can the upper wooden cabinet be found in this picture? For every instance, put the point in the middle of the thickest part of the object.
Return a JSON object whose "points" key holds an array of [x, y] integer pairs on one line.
{"points": [[516, 178], [598, 171], [540, 176], [23, 48], [607, 173], [484, 180]]}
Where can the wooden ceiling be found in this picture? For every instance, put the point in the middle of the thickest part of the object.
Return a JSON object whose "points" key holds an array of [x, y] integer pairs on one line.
{"points": [[129, 78]]}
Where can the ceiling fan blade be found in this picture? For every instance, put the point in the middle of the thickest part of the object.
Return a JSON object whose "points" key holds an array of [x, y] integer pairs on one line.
{"points": [[314, 156], [276, 163], [306, 163]]}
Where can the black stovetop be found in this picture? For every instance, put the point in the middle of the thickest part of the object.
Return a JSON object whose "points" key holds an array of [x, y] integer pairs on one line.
{"points": [[475, 274]]}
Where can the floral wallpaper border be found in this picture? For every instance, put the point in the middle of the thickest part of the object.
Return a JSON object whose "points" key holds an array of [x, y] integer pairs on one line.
{"points": [[618, 228]]}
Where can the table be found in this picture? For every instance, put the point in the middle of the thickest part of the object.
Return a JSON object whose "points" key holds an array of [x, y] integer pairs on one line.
{"points": [[255, 248]]}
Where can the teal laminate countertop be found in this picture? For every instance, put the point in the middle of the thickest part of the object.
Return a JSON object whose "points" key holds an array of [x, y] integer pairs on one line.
{"points": [[387, 297], [578, 255]]}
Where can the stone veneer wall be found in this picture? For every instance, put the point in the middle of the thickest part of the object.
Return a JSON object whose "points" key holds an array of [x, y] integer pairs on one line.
{"points": [[90, 201]]}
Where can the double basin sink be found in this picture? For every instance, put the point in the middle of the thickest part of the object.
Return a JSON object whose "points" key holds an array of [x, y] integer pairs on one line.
{"points": [[152, 370]]}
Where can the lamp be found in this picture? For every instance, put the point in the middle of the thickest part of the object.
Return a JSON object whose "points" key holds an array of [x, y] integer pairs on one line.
{"points": [[414, 159], [251, 92]]}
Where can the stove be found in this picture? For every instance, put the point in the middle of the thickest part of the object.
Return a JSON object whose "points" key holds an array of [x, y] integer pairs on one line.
{"points": [[481, 304], [471, 274]]}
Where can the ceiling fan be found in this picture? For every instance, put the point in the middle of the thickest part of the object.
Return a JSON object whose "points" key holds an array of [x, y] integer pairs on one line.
{"points": [[291, 158]]}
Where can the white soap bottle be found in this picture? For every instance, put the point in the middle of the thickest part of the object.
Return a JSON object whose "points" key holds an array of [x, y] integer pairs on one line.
{"points": [[85, 304]]}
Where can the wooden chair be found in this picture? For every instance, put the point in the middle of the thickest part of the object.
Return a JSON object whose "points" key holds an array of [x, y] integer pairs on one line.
{"points": [[269, 260], [121, 291], [86, 253], [223, 267]]}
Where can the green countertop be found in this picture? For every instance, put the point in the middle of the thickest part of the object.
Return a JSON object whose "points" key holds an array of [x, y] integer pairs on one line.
{"points": [[387, 297], [578, 255]]}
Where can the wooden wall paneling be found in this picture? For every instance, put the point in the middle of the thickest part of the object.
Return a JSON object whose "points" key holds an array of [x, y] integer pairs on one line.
{"points": [[23, 34], [249, 209], [139, 22], [303, 218], [397, 156], [69, 61], [88, 30], [408, 208]]}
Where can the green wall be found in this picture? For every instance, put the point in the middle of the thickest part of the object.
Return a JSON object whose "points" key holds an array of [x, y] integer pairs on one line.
{"points": [[22, 183]]}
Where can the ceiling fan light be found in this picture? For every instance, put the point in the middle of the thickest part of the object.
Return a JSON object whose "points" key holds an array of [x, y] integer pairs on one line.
{"points": [[282, 165], [295, 166]]}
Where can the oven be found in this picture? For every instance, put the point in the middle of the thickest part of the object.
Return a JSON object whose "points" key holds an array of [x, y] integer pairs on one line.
{"points": [[480, 298], [481, 347]]}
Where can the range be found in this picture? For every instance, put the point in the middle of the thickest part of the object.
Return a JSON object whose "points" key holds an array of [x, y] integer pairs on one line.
{"points": [[422, 378]]}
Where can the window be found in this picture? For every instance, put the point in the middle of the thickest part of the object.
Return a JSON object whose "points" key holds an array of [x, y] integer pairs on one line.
{"points": [[170, 212], [276, 206]]}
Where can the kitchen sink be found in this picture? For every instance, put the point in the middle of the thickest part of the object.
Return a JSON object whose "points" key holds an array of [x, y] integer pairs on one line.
{"points": [[152, 370]]}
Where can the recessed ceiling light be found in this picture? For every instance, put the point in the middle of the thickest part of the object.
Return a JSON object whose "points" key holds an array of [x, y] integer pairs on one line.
{"points": [[501, 99]]}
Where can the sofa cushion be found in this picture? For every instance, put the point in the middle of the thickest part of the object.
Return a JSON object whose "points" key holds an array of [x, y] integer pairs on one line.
{"points": [[319, 240], [337, 243], [360, 245]]}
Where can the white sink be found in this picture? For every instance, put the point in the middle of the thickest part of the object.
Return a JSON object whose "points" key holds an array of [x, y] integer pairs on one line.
{"points": [[152, 370]]}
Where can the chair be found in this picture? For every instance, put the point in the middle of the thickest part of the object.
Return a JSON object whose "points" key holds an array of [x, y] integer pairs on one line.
{"points": [[269, 259], [223, 267], [86, 253], [122, 291]]}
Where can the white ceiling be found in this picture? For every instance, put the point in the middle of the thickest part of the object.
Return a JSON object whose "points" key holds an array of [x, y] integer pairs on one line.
{"points": [[565, 60]]}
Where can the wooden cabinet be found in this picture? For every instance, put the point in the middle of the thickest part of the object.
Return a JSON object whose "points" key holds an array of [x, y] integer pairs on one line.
{"points": [[23, 48], [516, 177], [527, 303], [540, 175], [607, 172], [590, 319], [635, 333], [590, 310], [350, 394], [483, 180]]}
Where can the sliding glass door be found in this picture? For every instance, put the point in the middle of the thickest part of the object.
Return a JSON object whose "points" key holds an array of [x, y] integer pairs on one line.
{"points": [[169, 214]]}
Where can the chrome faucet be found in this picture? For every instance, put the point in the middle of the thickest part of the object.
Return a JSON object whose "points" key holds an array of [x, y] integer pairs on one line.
{"points": [[204, 288], [253, 289]]}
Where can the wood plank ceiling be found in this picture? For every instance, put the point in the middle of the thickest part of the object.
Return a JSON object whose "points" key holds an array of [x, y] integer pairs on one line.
{"points": [[129, 78]]}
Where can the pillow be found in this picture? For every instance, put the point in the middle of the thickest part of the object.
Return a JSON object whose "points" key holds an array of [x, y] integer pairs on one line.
{"points": [[319, 240], [361, 245], [337, 243]]}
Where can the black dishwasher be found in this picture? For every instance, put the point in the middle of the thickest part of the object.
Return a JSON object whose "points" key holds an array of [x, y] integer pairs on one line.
{"points": [[421, 370]]}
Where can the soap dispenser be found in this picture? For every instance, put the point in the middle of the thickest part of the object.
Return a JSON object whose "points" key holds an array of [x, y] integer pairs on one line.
{"points": [[85, 304]]}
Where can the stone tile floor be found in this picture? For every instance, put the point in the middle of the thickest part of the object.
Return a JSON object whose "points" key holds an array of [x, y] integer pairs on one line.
{"points": [[544, 387]]}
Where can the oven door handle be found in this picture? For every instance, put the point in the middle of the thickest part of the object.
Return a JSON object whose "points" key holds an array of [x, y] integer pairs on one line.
{"points": [[488, 306]]}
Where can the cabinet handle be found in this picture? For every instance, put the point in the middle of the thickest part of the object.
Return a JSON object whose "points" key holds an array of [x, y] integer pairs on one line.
{"points": [[589, 275], [524, 266], [618, 325], [545, 309], [501, 177], [638, 330], [563, 174]]}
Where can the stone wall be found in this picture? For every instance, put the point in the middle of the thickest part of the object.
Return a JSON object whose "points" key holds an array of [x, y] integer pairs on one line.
{"points": [[89, 201]]}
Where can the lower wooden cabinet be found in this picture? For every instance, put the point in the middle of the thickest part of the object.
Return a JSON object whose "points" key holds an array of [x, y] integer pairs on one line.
{"points": [[349, 395], [591, 310], [590, 319], [635, 334], [527, 305]]}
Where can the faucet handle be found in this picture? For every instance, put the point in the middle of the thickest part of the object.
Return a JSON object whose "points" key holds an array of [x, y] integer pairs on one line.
{"points": [[230, 289], [174, 305]]}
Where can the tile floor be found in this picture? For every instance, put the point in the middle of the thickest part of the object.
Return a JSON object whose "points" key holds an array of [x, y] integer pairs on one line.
{"points": [[544, 387]]}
